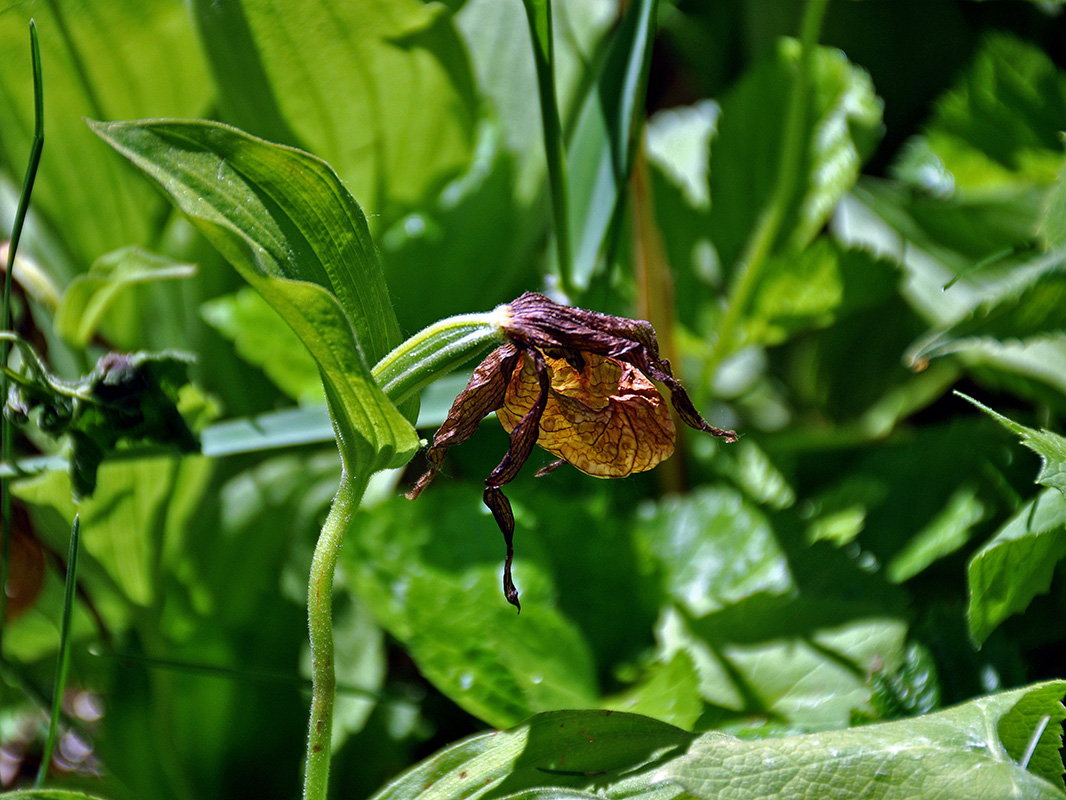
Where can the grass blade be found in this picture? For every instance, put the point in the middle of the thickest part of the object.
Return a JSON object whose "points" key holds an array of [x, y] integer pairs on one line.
{"points": [[539, 13], [64, 652], [5, 311]]}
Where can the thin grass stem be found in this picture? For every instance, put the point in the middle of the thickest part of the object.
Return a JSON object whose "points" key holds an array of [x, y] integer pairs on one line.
{"points": [[5, 315], [539, 14], [64, 653]]}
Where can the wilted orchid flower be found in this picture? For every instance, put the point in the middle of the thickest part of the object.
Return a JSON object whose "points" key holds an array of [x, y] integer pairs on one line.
{"points": [[577, 383]]}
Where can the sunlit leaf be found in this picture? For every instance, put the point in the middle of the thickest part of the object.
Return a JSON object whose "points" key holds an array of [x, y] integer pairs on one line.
{"points": [[1017, 563], [802, 663], [430, 571], [968, 752], [669, 692], [359, 84], [288, 225], [1034, 307], [261, 338], [714, 549], [679, 142], [134, 522], [843, 125], [564, 751], [115, 59], [997, 128], [88, 298]]}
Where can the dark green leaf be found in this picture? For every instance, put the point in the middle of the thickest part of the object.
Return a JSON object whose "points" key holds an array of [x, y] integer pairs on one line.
{"points": [[949, 530], [1049, 446], [997, 129], [969, 752], [430, 570], [48, 794], [1017, 563], [1034, 306], [609, 752], [843, 124], [714, 549], [288, 225]]}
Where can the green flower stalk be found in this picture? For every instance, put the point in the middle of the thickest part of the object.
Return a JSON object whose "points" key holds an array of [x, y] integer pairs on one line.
{"points": [[413, 365]]}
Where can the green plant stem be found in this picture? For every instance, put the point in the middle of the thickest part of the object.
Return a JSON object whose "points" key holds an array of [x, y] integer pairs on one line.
{"points": [[320, 626], [6, 450], [64, 653], [539, 14], [768, 225], [419, 360], [435, 351]]}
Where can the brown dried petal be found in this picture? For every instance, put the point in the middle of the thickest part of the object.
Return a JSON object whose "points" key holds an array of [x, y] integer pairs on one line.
{"points": [[536, 321], [607, 419], [484, 393]]}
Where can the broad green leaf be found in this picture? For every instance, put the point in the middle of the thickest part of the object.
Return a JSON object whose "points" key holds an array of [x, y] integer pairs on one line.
{"points": [[103, 60], [601, 151], [89, 297], [801, 662], [262, 339], [843, 125], [965, 242], [969, 752], [669, 692], [796, 292], [811, 289], [1034, 307], [430, 571], [568, 751], [997, 129], [381, 89], [759, 477], [1052, 226], [713, 548], [1031, 731], [946, 532], [287, 224], [679, 142], [1049, 446], [1017, 563], [135, 523]]}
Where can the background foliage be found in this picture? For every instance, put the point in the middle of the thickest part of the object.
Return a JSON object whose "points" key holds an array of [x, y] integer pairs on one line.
{"points": [[873, 549]]}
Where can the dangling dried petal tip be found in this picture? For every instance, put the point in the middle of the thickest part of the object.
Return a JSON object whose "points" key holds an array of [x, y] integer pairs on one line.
{"points": [[579, 384]]}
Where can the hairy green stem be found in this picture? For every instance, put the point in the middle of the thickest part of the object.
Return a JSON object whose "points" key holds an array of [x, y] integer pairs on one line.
{"points": [[768, 225], [436, 351], [539, 14], [421, 359], [320, 627]]}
